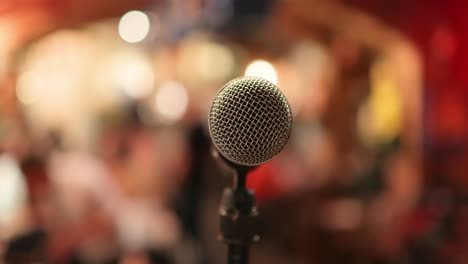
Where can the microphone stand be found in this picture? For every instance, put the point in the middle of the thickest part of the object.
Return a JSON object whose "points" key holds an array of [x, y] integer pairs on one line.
{"points": [[239, 219]]}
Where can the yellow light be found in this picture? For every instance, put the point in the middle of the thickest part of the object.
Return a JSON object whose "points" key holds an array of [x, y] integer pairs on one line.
{"points": [[171, 101], [380, 117], [262, 69], [134, 26], [385, 102]]}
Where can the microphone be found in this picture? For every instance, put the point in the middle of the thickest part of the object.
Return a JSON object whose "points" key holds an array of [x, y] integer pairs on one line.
{"points": [[250, 123]]}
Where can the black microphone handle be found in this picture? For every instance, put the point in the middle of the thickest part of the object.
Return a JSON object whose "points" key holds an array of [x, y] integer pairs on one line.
{"points": [[238, 254]]}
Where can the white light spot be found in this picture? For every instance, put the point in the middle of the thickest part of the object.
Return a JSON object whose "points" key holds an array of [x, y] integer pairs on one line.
{"points": [[134, 26], [171, 101], [28, 88], [137, 81], [13, 192], [133, 73], [262, 69]]}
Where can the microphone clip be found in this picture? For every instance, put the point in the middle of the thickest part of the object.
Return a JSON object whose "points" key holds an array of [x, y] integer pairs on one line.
{"points": [[239, 219]]}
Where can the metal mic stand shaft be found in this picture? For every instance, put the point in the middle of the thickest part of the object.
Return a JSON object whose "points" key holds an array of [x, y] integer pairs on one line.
{"points": [[239, 220]]}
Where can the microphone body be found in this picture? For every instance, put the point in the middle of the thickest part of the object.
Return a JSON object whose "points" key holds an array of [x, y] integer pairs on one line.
{"points": [[250, 122]]}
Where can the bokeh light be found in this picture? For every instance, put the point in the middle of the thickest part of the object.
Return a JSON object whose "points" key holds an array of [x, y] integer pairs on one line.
{"points": [[134, 26], [27, 89], [105, 113], [262, 69], [202, 61], [171, 101], [379, 118], [133, 73], [385, 102], [13, 191]]}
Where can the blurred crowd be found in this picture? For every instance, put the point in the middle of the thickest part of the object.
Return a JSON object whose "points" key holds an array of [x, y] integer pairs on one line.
{"points": [[98, 166]]}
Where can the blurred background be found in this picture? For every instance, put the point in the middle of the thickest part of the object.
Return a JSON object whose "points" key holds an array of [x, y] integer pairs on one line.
{"points": [[105, 154]]}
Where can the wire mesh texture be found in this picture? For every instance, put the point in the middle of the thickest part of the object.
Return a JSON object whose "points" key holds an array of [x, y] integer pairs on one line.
{"points": [[250, 121]]}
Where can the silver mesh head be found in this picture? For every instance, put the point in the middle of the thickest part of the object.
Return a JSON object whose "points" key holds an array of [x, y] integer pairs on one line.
{"points": [[250, 121]]}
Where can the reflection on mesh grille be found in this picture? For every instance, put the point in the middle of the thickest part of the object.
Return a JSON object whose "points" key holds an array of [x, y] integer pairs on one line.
{"points": [[250, 121]]}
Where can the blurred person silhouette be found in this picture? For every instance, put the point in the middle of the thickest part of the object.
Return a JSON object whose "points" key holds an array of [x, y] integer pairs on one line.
{"points": [[22, 180], [80, 220], [435, 230], [344, 200], [146, 168]]}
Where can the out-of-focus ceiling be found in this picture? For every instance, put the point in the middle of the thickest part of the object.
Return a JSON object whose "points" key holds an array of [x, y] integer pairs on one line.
{"points": [[24, 20]]}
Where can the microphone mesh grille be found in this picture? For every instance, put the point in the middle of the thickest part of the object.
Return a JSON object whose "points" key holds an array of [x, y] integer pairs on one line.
{"points": [[250, 121]]}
